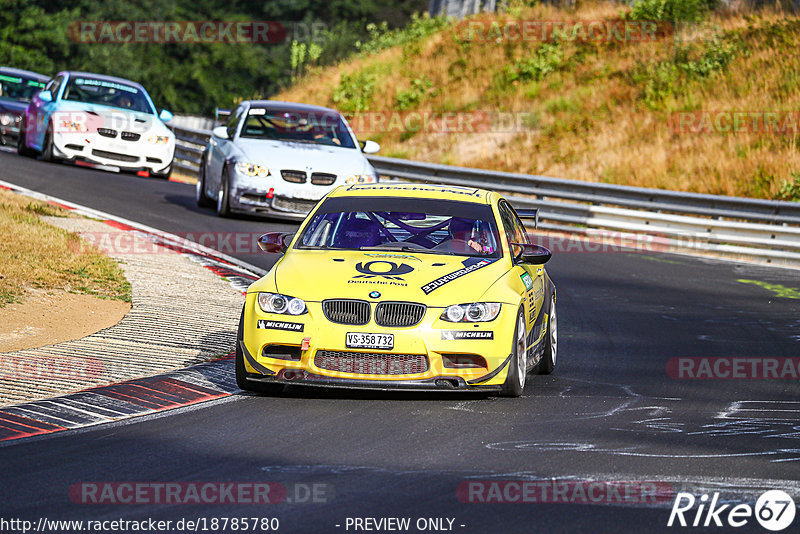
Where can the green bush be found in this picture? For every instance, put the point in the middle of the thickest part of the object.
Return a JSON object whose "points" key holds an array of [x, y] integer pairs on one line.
{"points": [[354, 92], [790, 189], [671, 10], [421, 88], [381, 37]]}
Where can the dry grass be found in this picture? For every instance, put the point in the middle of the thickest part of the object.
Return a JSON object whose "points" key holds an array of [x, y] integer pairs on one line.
{"points": [[35, 255], [592, 118]]}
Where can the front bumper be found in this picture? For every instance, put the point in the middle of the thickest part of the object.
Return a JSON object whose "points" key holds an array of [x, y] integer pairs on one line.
{"points": [[432, 339], [127, 155]]}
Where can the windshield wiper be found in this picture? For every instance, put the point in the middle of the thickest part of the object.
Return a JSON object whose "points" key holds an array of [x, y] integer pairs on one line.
{"points": [[398, 248]]}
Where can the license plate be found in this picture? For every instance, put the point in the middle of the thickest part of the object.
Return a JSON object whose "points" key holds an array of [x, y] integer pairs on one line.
{"points": [[357, 340], [302, 194]]}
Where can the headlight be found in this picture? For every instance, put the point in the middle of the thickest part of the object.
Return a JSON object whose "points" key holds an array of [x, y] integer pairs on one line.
{"points": [[73, 127], [360, 179], [276, 303], [251, 169], [477, 312], [158, 139], [6, 119]]}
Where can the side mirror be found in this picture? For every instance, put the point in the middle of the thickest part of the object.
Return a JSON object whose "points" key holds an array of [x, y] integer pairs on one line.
{"points": [[370, 147], [275, 242], [221, 132], [165, 115], [533, 254], [45, 96]]}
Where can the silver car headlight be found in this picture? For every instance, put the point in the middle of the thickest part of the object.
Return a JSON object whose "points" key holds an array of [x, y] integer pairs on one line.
{"points": [[6, 119], [277, 303], [360, 179], [476, 312], [251, 169]]}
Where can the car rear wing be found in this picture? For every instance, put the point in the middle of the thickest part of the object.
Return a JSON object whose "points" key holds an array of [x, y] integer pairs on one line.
{"points": [[531, 213]]}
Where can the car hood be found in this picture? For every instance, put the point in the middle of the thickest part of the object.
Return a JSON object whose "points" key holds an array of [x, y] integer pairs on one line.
{"points": [[300, 156], [116, 118], [434, 279], [13, 106]]}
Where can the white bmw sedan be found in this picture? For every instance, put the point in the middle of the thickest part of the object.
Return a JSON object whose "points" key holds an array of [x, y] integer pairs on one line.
{"points": [[279, 158], [98, 119]]}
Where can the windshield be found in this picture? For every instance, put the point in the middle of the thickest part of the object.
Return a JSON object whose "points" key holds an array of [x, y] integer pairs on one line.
{"points": [[19, 88], [405, 225], [299, 126], [92, 91]]}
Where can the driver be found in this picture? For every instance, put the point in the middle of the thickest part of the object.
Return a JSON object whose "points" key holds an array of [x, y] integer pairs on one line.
{"points": [[461, 230], [123, 101]]}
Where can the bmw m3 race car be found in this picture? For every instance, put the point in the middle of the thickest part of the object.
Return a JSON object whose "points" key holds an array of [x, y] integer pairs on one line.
{"points": [[401, 286], [17, 87], [279, 159], [98, 119]]}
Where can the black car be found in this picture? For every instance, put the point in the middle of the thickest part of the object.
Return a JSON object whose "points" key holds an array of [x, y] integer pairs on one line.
{"points": [[17, 87]]}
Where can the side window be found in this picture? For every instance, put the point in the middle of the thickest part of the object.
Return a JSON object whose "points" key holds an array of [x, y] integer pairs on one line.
{"points": [[54, 85], [519, 228], [515, 231], [233, 121]]}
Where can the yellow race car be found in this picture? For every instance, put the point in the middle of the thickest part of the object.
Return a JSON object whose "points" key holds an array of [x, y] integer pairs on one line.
{"points": [[401, 286]]}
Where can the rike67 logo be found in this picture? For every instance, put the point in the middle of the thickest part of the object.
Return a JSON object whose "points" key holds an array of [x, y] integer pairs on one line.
{"points": [[774, 510]]}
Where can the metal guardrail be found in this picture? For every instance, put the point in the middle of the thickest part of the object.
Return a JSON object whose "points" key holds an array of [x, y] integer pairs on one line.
{"points": [[763, 229]]}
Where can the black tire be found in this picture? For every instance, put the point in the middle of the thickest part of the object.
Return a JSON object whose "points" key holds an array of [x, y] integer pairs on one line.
{"points": [[23, 150], [47, 145], [517, 366], [241, 372], [223, 196], [550, 355], [200, 189], [163, 175]]}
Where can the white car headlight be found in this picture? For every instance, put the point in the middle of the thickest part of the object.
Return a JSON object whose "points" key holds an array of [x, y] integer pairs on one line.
{"points": [[477, 312], [158, 139], [6, 119], [251, 169], [360, 179], [68, 126], [277, 303]]}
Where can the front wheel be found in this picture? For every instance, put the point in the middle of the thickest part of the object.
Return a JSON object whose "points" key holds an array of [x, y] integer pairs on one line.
{"points": [[223, 196], [518, 366], [548, 362], [47, 146], [200, 188], [241, 372], [22, 148]]}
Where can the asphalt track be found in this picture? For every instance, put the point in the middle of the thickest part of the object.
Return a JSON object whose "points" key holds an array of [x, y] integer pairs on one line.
{"points": [[610, 412]]}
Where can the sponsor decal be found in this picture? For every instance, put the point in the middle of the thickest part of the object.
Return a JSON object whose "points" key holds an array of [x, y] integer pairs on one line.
{"points": [[382, 268], [470, 265], [455, 190], [467, 334], [393, 256], [280, 325], [526, 279], [539, 291]]}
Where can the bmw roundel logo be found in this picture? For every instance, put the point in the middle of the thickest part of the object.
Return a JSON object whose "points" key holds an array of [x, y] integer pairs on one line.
{"points": [[374, 295]]}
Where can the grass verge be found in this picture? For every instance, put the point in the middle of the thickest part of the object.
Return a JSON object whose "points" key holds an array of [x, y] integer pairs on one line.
{"points": [[36, 255]]}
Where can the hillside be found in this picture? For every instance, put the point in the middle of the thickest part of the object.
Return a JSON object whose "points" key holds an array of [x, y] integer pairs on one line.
{"points": [[658, 112]]}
